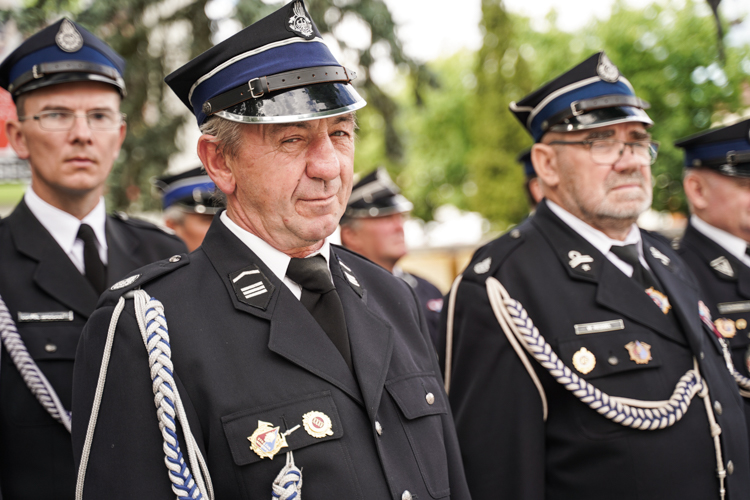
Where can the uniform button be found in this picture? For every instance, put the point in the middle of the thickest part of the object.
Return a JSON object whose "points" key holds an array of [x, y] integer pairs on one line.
{"points": [[175, 258], [406, 495], [703, 355], [730, 467], [430, 397], [378, 428], [613, 360], [717, 408], [515, 234], [50, 348]]}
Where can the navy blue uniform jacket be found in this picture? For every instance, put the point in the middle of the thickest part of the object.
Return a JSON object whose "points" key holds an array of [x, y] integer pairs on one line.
{"points": [[236, 364], [510, 452]]}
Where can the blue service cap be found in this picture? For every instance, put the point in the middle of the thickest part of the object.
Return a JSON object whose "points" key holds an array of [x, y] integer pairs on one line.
{"points": [[593, 94], [278, 70], [525, 160], [191, 191], [61, 53], [376, 195], [725, 150]]}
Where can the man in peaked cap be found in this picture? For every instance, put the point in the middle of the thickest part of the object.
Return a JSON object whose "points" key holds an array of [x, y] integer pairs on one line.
{"points": [[715, 243], [190, 201], [583, 411], [291, 348], [59, 249], [373, 226]]}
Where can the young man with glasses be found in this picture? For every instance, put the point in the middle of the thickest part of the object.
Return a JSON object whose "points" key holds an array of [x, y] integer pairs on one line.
{"points": [[59, 250], [606, 379]]}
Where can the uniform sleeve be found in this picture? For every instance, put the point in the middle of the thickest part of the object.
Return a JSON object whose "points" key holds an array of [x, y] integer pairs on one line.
{"points": [[496, 405], [126, 459], [457, 476]]}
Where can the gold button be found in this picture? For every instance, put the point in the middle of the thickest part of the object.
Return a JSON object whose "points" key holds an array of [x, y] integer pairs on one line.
{"points": [[613, 360], [50, 348], [717, 408], [430, 397]]}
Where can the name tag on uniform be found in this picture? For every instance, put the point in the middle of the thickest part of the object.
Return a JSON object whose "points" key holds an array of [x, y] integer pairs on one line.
{"points": [[601, 326], [43, 317], [734, 307]]}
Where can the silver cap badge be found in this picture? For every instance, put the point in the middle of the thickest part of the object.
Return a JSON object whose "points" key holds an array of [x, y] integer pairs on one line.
{"points": [[606, 69], [299, 22], [68, 38]]}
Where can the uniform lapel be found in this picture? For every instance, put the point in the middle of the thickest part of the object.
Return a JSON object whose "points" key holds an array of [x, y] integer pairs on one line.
{"points": [[293, 332], [710, 251], [120, 252], [55, 274], [615, 290], [370, 337]]}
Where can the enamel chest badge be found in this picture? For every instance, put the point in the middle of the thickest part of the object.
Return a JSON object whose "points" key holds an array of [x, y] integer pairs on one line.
{"points": [[317, 424], [640, 352], [584, 360], [659, 299], [267, 440]]}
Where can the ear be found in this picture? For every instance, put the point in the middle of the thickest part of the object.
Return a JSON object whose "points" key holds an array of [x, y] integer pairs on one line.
{"points": [[544, 159], [696, 189], [215, 164], [16, 138]]}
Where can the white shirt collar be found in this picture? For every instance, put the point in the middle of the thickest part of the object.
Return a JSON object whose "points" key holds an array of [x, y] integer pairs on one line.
{"points": [[64, 227], [601, 241], [276, 260], [729, 242]]}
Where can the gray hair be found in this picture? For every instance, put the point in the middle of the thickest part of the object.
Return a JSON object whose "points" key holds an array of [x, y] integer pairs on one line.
{"points": [[227, 135]]}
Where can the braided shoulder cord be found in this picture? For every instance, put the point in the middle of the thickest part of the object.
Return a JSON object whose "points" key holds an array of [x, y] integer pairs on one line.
{"points": [[636, 414], [149, 313], [30, 372]]}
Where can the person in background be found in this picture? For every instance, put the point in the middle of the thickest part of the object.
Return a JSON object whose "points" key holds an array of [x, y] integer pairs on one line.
{"points": [[373, 226], [59, 250], [580, 362], [531, 185], [190, 201], [715, 243], [294, 367]]}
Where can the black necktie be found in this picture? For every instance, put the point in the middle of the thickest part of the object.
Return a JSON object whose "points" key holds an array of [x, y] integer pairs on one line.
{"points": [[319, 296], [96, 273], [629, 254], [747, 250]]}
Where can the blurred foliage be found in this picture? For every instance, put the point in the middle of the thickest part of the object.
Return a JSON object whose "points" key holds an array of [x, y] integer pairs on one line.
{"points": [[157, 36]]}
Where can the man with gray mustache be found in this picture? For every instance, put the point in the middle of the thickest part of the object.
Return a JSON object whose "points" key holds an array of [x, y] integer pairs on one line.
{"points": [[607, 379]]}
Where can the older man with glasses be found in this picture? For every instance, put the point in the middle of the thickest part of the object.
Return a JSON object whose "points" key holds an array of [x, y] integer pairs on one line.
{"points": [[580, 360], [59, 250]]}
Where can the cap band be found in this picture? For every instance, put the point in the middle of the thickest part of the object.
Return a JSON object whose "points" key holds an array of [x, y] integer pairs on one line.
{"points": [[41, 70], [258, 87], [582, 106]]}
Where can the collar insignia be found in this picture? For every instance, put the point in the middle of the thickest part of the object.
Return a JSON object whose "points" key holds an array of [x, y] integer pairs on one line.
{"points": [[125, 282], [300, 23], [659, 299], [353, 281], [584, 360], [252, 287], [267, 440], [659, 256], [640, 352], [68, 38], [483, 266], [576, 259], [722, 265], [606, 69], [317, 424]]}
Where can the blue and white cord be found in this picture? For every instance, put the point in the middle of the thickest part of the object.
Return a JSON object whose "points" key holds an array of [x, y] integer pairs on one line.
{"points": [[30, 372]]}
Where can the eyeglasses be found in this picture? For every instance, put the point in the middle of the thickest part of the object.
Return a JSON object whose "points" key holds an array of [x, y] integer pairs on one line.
{"points": [[609, 151], [61, 121]]}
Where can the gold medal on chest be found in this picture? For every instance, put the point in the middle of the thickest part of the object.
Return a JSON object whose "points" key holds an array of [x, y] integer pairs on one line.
{"points": [[741, 324], [640, 352], [317, 424], [267, 440], [726, 327], [584, 360]]}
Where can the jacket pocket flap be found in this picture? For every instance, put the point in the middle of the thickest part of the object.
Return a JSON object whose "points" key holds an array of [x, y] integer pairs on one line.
{"points": [[609, 353], [315, 414], [418, 395]]}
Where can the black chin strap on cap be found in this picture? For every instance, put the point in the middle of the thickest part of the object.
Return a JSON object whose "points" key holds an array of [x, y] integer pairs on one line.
{"points": [[578, 108]]}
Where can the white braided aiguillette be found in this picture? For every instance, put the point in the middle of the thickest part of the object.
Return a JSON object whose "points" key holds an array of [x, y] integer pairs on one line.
{"points": [[30, 372]]}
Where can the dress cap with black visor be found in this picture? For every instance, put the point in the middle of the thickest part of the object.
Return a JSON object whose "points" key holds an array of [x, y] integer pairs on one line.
{"points": [[277, 70], [192, 191], [63, 52], [375, 195], [592, 94], [725, 150]]}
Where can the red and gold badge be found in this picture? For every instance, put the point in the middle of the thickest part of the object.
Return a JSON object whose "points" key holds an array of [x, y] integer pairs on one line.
{"points": [[317, 424], [726, 327], [659, 299], [267, 440], [640, 352]]}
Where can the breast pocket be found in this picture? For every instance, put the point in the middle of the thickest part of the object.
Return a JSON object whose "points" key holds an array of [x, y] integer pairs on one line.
{"points": [[255, 436], [422, 405]]}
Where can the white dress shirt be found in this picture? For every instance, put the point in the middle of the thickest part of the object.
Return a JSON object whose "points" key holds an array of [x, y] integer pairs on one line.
{"points": [[276, 260], [64, 227], [729, 242], [601, 241]]}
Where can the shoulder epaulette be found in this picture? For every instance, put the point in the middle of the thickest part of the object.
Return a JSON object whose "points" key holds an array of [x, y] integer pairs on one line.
{"points": [[144, 275], [487, 259]]}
